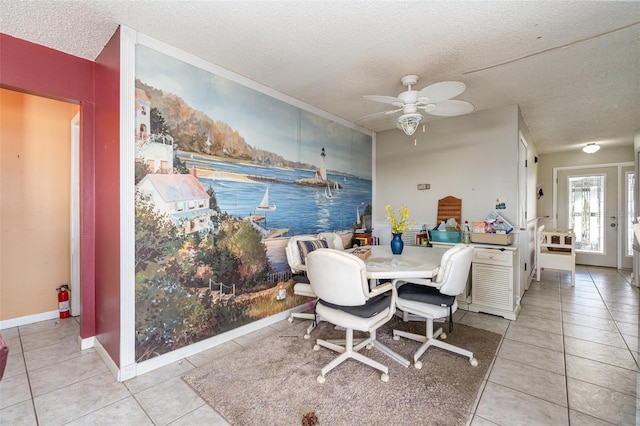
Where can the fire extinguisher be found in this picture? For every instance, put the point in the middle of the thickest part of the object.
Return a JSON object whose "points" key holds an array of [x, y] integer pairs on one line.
{"points": [[63, 301]]}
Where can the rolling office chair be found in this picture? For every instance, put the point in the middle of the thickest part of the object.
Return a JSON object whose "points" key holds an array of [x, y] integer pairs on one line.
{"points": [[344, 299], [296, 250], [427, 301]]}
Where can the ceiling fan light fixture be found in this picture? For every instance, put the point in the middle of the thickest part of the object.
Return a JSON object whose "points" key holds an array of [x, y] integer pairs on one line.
{"points": [[591, 148], [409, 123]]}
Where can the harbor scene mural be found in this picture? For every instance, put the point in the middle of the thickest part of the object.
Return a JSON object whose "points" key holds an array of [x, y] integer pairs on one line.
{"points": [[224, 176]]}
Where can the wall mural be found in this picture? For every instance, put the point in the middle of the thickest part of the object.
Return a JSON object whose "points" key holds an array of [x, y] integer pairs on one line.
{"points": [[224, 176]]}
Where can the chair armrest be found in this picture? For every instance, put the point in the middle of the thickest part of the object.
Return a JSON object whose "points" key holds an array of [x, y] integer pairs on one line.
{"points": [[422, 281]]}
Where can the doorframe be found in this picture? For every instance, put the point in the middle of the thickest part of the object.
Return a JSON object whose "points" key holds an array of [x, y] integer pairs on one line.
{"points": [[620, 206], [74, 216]]}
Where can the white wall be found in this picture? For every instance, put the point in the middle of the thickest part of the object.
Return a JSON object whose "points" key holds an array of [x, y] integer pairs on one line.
{"points": [[472, 157], [606, 155]]}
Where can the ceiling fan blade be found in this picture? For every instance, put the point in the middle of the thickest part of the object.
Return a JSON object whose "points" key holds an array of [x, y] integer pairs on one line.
{"points": [[384, 99], [375, 114], [452, 108], [442, 91]]}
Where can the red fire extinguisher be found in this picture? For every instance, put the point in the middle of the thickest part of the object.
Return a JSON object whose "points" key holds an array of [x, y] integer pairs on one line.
{"points": [[63, 301]]}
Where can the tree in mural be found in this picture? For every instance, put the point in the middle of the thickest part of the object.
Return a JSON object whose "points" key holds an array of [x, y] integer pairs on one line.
{"points": [[155, 235]]}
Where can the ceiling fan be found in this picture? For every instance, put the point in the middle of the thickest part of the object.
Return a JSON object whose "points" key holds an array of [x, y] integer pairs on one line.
{"points": [[434, 99]]}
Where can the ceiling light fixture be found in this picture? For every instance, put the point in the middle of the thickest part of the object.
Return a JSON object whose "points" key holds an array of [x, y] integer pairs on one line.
{"points": [[590, 148], [409, 122]]}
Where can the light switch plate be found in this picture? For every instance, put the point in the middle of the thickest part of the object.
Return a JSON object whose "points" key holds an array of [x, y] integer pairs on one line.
{"points": [[423, 186]]}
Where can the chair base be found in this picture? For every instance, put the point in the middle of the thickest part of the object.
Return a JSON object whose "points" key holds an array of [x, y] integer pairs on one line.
{"points": [[350, 351], [303, 315], [431, 339]]}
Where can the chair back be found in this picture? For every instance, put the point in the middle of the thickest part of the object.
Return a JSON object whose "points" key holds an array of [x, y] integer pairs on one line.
{"points": [[442, 273], [294, 258], [334, 241], [455, 270], [338, 277]]}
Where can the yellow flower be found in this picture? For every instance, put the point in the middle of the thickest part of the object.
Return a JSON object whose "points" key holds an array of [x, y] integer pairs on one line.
{"points": [[398, 225]]}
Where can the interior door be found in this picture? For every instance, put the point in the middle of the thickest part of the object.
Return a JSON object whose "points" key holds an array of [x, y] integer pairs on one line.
{"points": [[590, 203]]}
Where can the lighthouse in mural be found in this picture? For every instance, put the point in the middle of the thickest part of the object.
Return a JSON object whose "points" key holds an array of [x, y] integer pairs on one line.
{"points": [[323, 170]]}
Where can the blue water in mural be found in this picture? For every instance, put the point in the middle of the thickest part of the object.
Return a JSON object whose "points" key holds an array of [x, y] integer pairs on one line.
{"points": [[300, 209]]}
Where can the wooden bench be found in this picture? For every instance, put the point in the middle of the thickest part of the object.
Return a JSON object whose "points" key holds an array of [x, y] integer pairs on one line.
{"points": [[556, 249]]}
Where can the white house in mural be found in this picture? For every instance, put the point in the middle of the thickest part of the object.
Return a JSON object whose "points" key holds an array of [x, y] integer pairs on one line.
{"points": [[181, 197], [154, 150]]}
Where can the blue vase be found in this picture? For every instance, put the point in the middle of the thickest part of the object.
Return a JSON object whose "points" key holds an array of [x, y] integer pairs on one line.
{"points": [[397, 244]]}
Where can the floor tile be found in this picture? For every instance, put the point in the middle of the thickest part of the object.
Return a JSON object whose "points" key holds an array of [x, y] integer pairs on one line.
{"points": [[588, 321], [627, 328], [602, 403], [21, 414], [486, 322], [14, 390], [623, 307], [127, 411], [606, 337], [535, 337], [254, 336], [539, 323], [67, 325], [47, 338], [479, 421], [532, 355], [169, 401], [598, 352], [601, 374], [159, 375], [587, 310], [204, 415], [62, 351], [625, 317], [506, 406], [78, 399], [533, 381], [15, 365], [581, 419], [540, 311], [56, 376]]}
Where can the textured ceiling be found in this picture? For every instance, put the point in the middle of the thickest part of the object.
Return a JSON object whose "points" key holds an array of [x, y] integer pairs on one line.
{"points": [[573, 67]]}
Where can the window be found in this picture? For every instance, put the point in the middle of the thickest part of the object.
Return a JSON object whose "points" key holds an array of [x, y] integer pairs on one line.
{"points": [[630, 189], [586, 212]]}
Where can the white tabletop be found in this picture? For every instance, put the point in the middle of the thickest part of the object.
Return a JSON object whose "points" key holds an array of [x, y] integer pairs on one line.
{"points": [[414, 262]]}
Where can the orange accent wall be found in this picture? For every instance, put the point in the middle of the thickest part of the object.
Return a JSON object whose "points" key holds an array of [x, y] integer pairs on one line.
{"points": [[35, 151]]}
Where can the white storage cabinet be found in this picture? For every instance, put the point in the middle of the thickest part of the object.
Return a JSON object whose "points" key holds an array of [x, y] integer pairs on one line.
{"points": [[493, 278]]}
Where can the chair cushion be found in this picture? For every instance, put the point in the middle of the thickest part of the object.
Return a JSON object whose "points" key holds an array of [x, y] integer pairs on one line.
{"points": [[373, 307], [307, 246], [425, 294]]}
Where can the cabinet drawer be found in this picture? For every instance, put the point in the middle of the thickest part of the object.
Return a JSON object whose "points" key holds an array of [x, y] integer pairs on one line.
{"points": [[493, 257]]}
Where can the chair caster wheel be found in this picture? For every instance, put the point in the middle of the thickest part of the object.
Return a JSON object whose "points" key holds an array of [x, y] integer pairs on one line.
{"points": [[306, 336], [384, 377], [473, 362], [443, 336], [316, 347], [320, 379], [290, 319], [396, 337], [418, 365]]}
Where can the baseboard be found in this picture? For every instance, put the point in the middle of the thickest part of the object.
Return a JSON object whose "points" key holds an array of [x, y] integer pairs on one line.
{"points": [[184, 352], [29, 319], [102, 352], [87, 343]]}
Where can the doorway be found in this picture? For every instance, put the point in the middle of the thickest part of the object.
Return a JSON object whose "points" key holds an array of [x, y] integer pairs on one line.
{"points": [[592, 201]]}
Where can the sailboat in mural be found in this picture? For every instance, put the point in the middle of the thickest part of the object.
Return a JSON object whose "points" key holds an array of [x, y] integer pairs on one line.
{"points": [[357, 216], [327, 192], [264, 204]]}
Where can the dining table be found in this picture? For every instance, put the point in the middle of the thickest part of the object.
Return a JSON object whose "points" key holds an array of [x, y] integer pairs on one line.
{"points": [[414, 262]]}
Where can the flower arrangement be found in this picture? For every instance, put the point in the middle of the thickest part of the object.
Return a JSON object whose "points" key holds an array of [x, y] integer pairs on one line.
{"points": [[398, 225]]}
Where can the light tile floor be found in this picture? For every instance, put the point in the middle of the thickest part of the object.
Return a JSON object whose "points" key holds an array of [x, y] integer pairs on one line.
{"points": [[571, 357]]}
